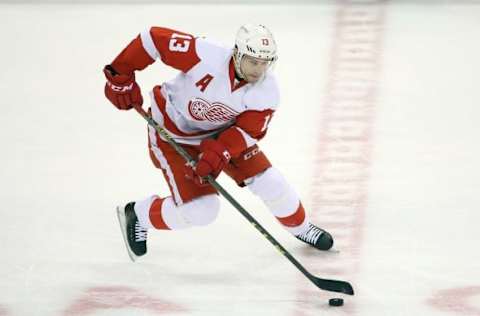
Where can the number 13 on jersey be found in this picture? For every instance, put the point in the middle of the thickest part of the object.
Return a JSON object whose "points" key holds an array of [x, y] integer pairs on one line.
{"points": [[265, 124], [179, 43]]}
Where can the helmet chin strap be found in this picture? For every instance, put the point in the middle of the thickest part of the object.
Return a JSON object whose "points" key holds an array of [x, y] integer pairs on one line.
{"points": [[236, 62]]}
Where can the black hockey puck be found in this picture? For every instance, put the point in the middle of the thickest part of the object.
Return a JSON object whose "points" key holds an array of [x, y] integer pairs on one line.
{"points": [[335, 302]]}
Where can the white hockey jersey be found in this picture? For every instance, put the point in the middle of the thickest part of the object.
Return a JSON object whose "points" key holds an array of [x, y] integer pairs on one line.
{"points": [[204, 98]]}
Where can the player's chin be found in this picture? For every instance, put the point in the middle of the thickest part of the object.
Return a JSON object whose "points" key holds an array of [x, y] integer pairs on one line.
{"points": [[252, 79]]}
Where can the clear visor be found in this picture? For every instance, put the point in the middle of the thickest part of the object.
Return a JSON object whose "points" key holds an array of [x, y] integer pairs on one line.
{"points": [[255, 61]]}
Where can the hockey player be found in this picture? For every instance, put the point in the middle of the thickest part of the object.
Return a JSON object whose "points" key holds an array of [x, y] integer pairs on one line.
{"points": [[218, 107]]}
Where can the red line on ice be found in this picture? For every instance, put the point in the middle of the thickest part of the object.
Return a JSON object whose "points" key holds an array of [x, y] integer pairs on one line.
{"points": [[344, 147], [457, 300]]}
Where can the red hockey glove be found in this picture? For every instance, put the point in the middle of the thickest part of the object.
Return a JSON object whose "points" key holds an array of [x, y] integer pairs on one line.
{"points": [[122, 90], [213, 158]]}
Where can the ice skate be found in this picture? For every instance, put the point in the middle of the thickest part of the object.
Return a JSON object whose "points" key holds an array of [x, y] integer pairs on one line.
{"points": [[135, 236], [316, 237]]}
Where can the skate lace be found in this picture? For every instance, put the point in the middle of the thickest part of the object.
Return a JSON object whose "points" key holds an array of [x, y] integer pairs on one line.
{"points": [[311, 235], [140, 232]]}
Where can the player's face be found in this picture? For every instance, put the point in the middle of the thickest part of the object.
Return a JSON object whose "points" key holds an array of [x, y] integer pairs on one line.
{"points": [[253, 68]]}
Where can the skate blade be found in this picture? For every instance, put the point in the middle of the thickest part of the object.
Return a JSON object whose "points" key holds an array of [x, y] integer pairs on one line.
{"points": [[122, 221]]}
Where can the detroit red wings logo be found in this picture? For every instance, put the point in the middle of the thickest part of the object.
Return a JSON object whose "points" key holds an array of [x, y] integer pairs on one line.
{"points": [[216, 112]]}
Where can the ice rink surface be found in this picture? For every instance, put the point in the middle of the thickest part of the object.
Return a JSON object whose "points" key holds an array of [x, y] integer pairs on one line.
{"points": [[378, 131]]}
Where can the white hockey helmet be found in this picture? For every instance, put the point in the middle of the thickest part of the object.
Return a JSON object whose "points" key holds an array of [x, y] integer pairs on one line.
{"points": [[254, 40]]}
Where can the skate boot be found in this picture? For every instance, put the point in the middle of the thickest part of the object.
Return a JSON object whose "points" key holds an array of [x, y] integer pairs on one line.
{"points": [[134, 235], [316, 237]]}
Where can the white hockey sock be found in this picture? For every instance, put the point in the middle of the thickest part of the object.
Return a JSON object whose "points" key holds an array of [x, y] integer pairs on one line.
{"points": [[281, 199], [158, 213]]}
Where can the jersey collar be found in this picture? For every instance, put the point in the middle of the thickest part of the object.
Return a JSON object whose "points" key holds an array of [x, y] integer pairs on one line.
{"points": [[234, 83]]}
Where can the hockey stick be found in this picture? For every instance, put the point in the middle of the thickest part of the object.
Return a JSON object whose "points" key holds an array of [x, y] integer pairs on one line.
{"points": [[324, 284]]}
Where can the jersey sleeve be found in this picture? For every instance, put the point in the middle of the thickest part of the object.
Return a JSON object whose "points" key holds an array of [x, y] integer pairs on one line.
{"points": [[251, 125], [249, 128], [174, 48], [133, 57]]}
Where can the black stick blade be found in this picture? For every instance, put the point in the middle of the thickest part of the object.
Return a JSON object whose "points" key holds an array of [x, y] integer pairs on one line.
{"points": [[334, 286]]}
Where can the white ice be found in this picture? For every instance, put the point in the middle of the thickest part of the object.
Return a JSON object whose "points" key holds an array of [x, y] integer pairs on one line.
{"points": [[68, 158]]}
